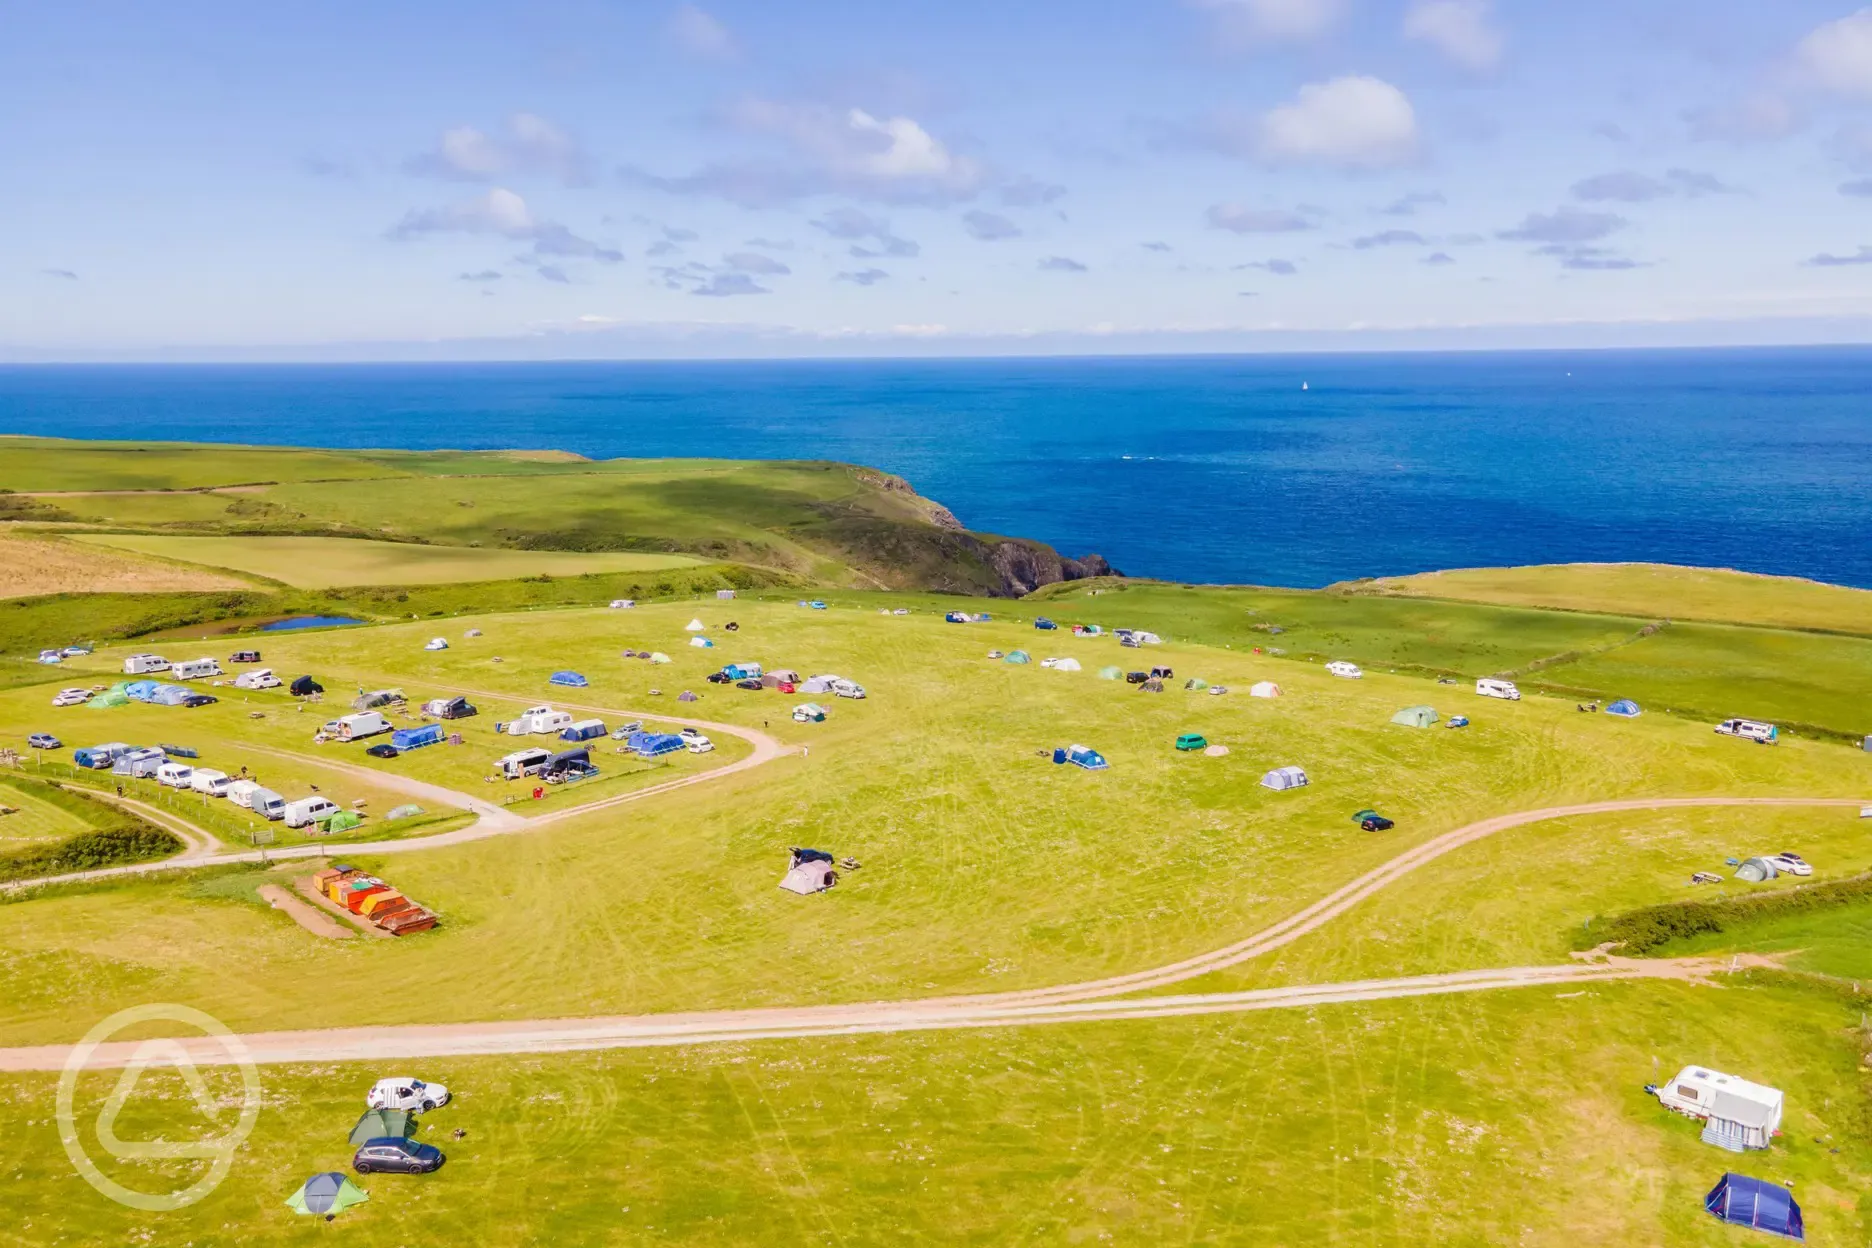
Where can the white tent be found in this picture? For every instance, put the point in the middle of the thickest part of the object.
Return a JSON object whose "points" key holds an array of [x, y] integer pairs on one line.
{"points": [[1265, 689], [694, 626], [704, 642], [810, 877], [1067, 665], [659, 657], [1284, 778]]}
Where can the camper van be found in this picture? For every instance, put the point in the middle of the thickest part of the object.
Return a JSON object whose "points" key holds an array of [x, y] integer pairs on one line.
{"points": [[213, 783], [308, 810], [1505, 689], [848, 689], [523, 763], [1750, 729], [356, 727], [262, 801], [1748, 1113], [174, 775], [262, 679], [539, 719], [244, 656], [143, 664], [449, 708], [197, 669], [139, 763], [1350, 671]]}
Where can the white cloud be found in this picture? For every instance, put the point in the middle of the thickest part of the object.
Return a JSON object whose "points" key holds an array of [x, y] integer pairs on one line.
{"points": [[1462, 30], [1837, 57], [1241, 219], [1277, 19], [989, 226], [1355, 121], [701, 34], [501, 212], [1758, 117], [532, 145]]}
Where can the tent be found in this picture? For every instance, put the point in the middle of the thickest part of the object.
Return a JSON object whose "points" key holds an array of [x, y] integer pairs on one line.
{"points": [[818, 684], [1756, 870], [473, 632], [1284, 778], [694, 626], [436, 643], [1153, 685], [1018, 656], [1416, 716], [1217, 751], [1082, 756], [570, 679], [653, 744], [305, 687], [809, 877], [659, 657], [171, 695], [1742, 1201], [330, 1192], [809, 713], [1067, 665], [1624, 707], [685, 696], [114, 696], [702, 642], [382, 1124], [343, 821], [1196, 683], [1111, 673], [404, 812]]}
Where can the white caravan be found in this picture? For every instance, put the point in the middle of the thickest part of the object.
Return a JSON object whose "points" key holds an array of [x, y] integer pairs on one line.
{"points": [[1341, 668], [197, 669], [355, 727], [1488, 687], [143, 664]]}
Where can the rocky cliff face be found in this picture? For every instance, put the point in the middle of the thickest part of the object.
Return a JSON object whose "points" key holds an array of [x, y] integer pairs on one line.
{"points": [[1025, 566]]}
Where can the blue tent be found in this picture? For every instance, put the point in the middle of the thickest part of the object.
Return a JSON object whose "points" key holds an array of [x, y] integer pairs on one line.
{"points": [[1018, 656], [1742, 1201], [142, 690], [654, 744], [416, 738], [1081, 756], [1624, 707], [572, 679]]}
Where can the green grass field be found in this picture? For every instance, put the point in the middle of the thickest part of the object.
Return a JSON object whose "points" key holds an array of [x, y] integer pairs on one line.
{"points": [[327, 562], [33, 818]]}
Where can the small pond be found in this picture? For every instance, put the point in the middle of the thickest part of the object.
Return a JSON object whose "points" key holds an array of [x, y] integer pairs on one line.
{"points": [[307, 621]]}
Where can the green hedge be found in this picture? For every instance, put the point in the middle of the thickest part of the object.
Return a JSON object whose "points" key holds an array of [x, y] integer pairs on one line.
{"points": [[116, 836], [1644, 931]]}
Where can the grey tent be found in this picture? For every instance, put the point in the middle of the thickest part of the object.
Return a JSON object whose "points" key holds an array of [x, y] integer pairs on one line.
{"points": [[809, 877], [327, 1193], [1756, 870], [685, 696], [382, 1124], [1284, 778]]}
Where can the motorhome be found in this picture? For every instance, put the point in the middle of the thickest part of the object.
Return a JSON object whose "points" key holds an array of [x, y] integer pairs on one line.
{"points": [[538, 719], [144, 664], [211, 782], [262, 679], [523, 763], [1349, 671], [262, 801], [197, 669], [174, 775], [1491, 688], [308, 810], [358, 726], [1751, 730], [244, 656]]}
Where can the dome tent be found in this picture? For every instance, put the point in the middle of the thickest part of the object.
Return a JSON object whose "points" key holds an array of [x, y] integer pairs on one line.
{"points": [[1264, 689], [1067, 665], [1624, 708], [1018, 656], [1111, 673], [1416, 716], [327, 1193], [694, 626], [1743, 1201]]}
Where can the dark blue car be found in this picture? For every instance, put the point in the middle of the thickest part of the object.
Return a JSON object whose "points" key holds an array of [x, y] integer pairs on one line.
{"points": [[395, 1155]]}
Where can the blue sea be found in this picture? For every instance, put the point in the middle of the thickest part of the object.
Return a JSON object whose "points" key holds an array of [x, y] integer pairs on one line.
{"points": [[1296, 470]]}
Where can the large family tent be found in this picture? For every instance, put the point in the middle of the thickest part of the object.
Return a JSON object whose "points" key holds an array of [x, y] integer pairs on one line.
{"points": [[807, 877], [1624, 708], [1742, 1201], [404, 812], [654, 744], [1416, 716], [343, 821], [1018, 656], [1284, 778], [170, 695], [114, 696], [1755, 871], [1081, 756], [326, 1193], [1111, 673], [1067, 665], [382, 1124], [571, 680], [818, 684]]}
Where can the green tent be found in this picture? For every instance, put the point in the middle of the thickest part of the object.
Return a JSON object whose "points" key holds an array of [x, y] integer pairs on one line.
{"points": [[1416, 716], [1195, 682], [382, 1124], [326, 1193], [1018, 656], [343, 821], [404, 812], [114, 696], [1111, 673]]}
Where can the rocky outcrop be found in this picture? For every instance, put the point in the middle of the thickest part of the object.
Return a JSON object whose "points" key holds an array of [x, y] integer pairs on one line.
{"points": [[1025, 566]]}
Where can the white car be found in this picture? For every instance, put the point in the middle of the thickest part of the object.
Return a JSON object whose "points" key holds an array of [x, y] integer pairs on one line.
{"points": [[72, 697], [404, 1093], [698, 745], [1349, 671], [51, 656], [1049, 662], [1790, 864]]}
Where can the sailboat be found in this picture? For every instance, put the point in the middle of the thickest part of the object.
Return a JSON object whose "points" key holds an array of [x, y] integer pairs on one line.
{"points": [[1303, 385]]}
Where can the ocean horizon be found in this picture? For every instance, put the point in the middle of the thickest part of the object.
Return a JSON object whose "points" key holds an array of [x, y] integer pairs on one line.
{"points": [[1296, 470]]}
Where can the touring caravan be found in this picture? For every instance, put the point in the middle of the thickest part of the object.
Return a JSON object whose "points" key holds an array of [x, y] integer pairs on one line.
{"points": [[1505, 689], [197, 669], [523, 763], [538, 719], [211, 782], [1740, 1114], [1750, 730], [174, 775], [1348, 671], [309, 810], [240, 793], [356, 727], [262, 679], [144, 664]]}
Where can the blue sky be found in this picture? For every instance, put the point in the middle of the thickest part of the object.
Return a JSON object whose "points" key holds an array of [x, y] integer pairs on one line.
{"points": [[591, 178]]}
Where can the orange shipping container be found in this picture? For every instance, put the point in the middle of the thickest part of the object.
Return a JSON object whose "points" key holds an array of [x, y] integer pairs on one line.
{"points": [[355, 899], [376, 901]]}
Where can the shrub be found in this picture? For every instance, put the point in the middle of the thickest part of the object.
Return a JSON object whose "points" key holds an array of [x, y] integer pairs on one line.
{"points": [[1646, 930]]}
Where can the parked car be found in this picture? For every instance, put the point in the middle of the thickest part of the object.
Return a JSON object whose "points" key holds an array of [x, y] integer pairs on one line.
{"points": [[1372, 821], [1192, 741], [383, 751], [71, 697], [395, 1155], [1791, 864], [76, 651], [400, 1092], [750, 683], [51, 656], [719, 678], [44, 741], [698, 745], [199, 699], [1136, 678], [619, 734], [244, 656]]}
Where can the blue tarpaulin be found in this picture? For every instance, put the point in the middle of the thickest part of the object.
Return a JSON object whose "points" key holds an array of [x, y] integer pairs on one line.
{"points": [[1742, 1201]]}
